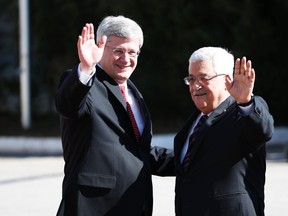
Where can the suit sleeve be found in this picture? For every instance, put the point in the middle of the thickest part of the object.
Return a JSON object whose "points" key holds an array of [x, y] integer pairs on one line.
{"points": [[162, 161], [258, 127], [70, 94]]}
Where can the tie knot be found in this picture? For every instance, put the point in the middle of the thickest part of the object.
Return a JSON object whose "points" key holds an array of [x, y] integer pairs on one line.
{"points": [[202, 119], [122, 89]]}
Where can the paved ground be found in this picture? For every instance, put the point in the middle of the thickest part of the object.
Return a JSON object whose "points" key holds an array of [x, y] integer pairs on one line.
{"points": [[31, 186]]}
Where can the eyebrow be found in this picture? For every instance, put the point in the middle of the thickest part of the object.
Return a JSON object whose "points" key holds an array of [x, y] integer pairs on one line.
{"points": [[201, 75]]}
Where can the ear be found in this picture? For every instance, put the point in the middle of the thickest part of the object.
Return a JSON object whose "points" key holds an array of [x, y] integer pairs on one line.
{"points": [[228, 82]]}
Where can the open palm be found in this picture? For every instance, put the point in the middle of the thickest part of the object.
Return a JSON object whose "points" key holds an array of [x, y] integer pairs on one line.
{"points": [[89, 53], [242, 85]]}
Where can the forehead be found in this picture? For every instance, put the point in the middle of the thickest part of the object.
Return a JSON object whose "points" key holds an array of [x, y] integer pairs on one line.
{"points": [[201, 67], [123, 42]]}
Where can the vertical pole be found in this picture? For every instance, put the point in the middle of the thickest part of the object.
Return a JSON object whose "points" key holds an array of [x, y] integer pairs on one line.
{"points": [[24, 63]]}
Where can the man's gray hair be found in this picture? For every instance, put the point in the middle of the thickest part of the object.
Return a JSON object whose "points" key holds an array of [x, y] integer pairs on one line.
{"points": [[222, 60], [120, 26]]}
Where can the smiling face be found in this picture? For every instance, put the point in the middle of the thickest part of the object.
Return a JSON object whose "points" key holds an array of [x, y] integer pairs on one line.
{"points": [[119, 67], [210, 95]]}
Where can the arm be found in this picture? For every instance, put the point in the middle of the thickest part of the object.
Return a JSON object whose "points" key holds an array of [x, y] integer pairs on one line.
{"points": [[70, 94], [162, 161], [72, 89], [257, 118]]}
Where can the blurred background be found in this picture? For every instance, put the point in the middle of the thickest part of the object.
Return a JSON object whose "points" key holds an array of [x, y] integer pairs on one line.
{"points": [[172, 31]]}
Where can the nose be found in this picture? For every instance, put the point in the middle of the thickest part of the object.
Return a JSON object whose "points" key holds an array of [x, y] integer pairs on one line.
{"points": [[196, 83], [195, 86], [125, 56]]}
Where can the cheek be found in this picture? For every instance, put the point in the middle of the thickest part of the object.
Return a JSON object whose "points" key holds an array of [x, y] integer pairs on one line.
{"points": [[190, 89], [133, 63]]}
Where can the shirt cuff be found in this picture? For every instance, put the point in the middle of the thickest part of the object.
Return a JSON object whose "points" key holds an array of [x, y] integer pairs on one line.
{"points": [[247, 108], [83, 77]]}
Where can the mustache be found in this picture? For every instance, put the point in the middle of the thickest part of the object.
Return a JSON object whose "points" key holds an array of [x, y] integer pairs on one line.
{"points": [[199, 92]]}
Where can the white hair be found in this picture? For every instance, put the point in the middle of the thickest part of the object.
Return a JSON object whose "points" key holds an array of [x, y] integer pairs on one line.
{"points": [[222, 60], [120, 26]]}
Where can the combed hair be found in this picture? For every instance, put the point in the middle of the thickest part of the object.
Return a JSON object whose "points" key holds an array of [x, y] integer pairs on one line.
{"points": [[120, 26], [222, 60]]}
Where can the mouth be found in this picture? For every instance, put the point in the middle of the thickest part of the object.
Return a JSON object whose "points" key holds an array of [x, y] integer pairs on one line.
{"points": [[123, 67], [199, 94]]}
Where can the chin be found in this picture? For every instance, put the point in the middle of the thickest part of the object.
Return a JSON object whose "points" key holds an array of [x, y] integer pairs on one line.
{"points": [[202, 106]]}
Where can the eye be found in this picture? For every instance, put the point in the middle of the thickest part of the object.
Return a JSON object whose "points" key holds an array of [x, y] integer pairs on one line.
{"points": [[118, 52], [203, 79], [192, 79], [132, 53]]}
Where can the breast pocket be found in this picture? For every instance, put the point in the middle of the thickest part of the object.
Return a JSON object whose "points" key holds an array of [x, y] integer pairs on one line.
{"points": [[96, 180]]}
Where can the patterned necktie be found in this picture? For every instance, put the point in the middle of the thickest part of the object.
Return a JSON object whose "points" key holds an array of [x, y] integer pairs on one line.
{"points": [[192, 139], [131, 115]]}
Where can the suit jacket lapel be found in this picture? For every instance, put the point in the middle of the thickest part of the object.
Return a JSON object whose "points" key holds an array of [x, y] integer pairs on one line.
{"points": [[181, 138], [114, 88], [213, 118], [221, 110], [200, 136], [143, 109], [110, 84]]}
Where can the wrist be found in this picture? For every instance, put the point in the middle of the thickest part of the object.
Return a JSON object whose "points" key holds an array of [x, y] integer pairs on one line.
{"points": [[87, 69], [245, 104]]}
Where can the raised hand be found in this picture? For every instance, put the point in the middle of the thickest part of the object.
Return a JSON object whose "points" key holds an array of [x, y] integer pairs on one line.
{"points": [[89, 52], [241, 87]]}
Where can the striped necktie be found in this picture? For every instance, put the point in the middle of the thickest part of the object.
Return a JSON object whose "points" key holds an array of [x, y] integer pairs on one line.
{"points": [[131, 115], [192, 139]]}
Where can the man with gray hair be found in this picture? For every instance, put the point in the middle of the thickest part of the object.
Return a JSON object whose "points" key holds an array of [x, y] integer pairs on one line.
{"points": [[106, 127], [220, 151]]}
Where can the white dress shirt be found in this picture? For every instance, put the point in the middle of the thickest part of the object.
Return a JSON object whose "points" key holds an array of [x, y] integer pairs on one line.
{"points": [[85, 78]]}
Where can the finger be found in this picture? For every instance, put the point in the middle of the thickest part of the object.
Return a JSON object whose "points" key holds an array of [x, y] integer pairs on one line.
{"points": [[79, 42], [252, 75], [88, 32], [243, 66], [91, 32], [79, 46], [237, 66], [84, 34], [249, 67]]}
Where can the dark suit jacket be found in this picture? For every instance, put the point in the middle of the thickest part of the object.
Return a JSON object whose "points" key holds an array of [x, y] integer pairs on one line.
{"points": [[106, 171], [226, 175]]}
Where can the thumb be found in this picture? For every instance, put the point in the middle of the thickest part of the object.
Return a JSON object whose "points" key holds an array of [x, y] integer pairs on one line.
{"points": [[101, 43]]}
